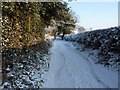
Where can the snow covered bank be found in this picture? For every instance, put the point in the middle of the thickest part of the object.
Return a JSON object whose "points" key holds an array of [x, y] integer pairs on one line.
{"points": [[106, 42], [22, 68]]}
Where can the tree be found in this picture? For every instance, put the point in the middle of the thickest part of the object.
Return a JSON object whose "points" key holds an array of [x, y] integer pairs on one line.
{"points": [[23, 23]]}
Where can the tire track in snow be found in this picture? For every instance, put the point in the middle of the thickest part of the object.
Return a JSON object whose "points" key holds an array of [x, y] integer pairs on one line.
{"points": [[83, 80], [64, 68], [73, 79]]}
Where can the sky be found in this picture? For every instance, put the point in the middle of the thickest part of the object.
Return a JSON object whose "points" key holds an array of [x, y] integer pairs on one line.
{"points": [[96, 15]]}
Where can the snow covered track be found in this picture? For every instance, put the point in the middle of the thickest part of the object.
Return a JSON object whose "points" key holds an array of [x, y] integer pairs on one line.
{"points": [[69, 69]]}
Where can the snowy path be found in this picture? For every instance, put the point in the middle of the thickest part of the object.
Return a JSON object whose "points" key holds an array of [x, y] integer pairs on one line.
{"points": [[69, 69]]}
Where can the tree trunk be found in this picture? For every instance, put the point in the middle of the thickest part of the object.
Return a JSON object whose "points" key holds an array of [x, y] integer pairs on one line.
{"points": [[63, 35], [29, 18]]}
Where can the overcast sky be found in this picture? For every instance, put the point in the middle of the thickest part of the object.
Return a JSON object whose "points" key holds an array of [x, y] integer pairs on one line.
{"points": [[96, 15]]}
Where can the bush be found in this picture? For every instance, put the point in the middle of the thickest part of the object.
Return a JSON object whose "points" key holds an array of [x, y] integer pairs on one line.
{"points": [[106, 41]]}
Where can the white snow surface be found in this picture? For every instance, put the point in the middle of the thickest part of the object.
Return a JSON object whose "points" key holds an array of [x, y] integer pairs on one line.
{"points": [[69, 68]]}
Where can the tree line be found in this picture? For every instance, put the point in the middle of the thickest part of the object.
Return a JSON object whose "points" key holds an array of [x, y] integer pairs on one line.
{"points": [[23, 23]]}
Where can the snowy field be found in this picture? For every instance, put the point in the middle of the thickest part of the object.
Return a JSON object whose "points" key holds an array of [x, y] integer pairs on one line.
{"points": [[70, 68]]}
